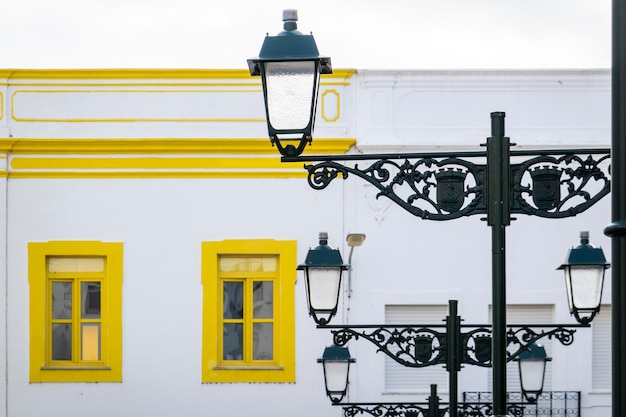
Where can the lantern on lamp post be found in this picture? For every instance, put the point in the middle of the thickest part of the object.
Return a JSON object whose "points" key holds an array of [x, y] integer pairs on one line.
{"points": [[584, 269], [336, 363], [290, 66], [323, 269], [532, 370]]}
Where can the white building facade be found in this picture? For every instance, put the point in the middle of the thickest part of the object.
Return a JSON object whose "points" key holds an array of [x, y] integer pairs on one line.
{"points": [[150, 235]]}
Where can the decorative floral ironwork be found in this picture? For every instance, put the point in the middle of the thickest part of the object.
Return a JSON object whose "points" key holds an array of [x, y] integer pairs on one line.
{"points": [[419, 345], [551, 184], [392, 410], [410, 346]]}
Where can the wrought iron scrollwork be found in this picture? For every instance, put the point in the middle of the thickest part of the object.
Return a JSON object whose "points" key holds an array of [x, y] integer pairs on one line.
{"points": [[415, 347], [430, 188], [420, 346], [391, 410], [520, 338], [559, 186], [551, 184]]}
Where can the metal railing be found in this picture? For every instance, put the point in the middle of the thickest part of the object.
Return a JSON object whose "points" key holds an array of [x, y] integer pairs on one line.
{"points": [[549, 403]]}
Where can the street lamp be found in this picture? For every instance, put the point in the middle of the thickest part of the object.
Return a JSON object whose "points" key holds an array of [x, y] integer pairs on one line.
{"points": [[323, 269], [496, 183], [584, 269], [336, 364], [532, 370], [290, 66]]}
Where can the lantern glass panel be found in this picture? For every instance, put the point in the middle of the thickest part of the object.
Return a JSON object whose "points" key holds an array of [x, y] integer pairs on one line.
{"points": [[323, 287], [290, 90], [531, 373], [585, 283], [336, 375]]}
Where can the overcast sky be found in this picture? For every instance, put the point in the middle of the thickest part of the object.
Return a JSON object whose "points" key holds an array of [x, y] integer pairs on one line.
{"points": [[362, 34]]}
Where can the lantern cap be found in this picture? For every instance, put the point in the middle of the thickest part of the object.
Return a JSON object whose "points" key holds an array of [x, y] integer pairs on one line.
{"points": [[534, 351], [336, 353], [585, 254], [323, 255], [289, 45]]}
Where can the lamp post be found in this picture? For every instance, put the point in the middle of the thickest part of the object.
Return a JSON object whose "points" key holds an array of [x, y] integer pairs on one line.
{"points": [[617, 229], [441, 186]]}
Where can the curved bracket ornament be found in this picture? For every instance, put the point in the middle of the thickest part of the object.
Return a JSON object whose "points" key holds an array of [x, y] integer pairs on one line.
{"points": [[391, 410], [420, 346], [520, 339], [446, 186], [430, 188], [415, 347], [560, 186]]}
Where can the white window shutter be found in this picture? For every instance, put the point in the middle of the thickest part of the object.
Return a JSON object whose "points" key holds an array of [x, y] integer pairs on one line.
{"points": [[601, 345], [402, 379]]}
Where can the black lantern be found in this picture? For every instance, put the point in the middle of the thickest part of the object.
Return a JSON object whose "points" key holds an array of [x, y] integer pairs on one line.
{"points": [[584, 278], [532, 370], [290, 66], [336, 363], [323, 268]]}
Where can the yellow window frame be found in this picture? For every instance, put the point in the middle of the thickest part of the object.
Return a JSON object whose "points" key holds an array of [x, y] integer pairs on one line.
{"points": [[42, 367], [282, 366]]}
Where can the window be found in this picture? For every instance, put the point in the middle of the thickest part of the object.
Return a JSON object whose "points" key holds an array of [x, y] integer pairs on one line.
{"points": [[75, 311], [248, 311]]}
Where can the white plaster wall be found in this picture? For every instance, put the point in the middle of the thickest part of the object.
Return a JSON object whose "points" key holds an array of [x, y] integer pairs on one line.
{"points": [[162, 223], [404, 260], [407, 260]]}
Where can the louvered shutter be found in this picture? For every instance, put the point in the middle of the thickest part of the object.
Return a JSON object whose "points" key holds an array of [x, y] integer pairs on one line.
{"points": [[601, 345], [399, 378]]}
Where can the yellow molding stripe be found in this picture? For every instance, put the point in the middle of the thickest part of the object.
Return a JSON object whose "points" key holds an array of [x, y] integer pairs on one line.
{"points": [[173, 175], [140, 74], [149, 163], [144, 146]]}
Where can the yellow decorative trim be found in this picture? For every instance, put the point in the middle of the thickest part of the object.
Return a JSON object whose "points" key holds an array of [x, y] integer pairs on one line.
{"points": [[145, 174], [285, 368], [154, 158], [111, 370], [141, 74], [143, 146], [338, 101]]}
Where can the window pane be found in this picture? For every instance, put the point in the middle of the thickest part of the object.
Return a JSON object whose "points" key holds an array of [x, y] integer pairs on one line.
{"points": [[90, 347], [233, 300], [90, 296], [62, 342], [233, 342], [252, 264], [61, 300], [86, 264], [263, 348], [263, 299]]}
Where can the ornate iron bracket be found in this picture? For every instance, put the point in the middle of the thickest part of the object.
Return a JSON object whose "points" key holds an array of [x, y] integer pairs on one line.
{"points": [[423, 345], [446, 186]]}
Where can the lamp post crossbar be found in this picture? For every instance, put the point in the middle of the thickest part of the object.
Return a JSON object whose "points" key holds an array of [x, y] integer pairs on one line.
{"points": [[423, 345], [444, 186]]}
